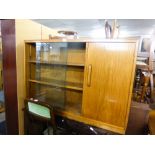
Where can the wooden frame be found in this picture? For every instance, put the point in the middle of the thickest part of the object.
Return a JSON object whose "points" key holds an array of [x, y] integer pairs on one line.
{"points": [[73, 113]]}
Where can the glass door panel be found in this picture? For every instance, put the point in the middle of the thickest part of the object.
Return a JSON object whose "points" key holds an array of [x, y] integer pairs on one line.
{"points": [[48, 73]]}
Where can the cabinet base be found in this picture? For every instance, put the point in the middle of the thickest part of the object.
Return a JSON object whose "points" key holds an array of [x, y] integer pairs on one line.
{"points": [[80, 118]]}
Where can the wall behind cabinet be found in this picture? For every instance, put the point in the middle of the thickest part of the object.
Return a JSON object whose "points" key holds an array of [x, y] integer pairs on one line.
{"points": [[26, 30]]}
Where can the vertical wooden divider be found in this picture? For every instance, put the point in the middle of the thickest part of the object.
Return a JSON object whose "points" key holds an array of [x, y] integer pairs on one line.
{"points": [[9, 75]]}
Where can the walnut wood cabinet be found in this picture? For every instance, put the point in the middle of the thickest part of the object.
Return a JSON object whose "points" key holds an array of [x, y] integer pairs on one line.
{"points": [[89, 81]]}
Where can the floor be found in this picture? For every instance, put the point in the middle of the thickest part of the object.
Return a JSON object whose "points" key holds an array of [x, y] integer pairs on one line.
{"points": [[138, 119], [2, 124], [2, 114]]}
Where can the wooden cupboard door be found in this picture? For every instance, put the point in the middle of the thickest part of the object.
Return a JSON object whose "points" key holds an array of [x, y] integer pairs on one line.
{"points": [[108, 82]]}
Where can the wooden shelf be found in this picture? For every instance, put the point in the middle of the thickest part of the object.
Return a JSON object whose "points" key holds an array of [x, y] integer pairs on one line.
{"points": [[68, 85], [142, 65], [56, 63]]}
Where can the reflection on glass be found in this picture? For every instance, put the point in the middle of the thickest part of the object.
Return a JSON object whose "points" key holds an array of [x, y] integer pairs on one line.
{"points": [[56, 73], [51, 52], [52, 77]]}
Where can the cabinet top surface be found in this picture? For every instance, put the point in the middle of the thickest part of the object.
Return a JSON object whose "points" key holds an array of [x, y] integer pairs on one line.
{"points": [[83, 40]]}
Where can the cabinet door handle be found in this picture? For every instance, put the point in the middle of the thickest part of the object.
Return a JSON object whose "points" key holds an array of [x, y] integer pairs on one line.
{"points": [[89, 75]]}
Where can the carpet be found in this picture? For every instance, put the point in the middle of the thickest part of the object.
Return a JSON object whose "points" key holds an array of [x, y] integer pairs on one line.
{"points": [[3, 128]]}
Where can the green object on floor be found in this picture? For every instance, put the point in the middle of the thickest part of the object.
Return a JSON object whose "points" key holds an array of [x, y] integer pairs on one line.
{"points": [[39, 110]]}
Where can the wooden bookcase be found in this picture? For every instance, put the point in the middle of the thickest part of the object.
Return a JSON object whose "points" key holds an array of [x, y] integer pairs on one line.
{"points": [[85, 80]]}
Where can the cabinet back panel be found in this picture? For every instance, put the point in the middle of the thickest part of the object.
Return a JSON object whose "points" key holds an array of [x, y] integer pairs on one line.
{"points": [[73, 101], [76, 56], [75, 74], [48, 73], [76, 53], [108, 96]]}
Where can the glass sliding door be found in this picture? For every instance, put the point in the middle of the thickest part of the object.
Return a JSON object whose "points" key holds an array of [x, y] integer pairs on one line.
{"points": [[48, 73]]}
